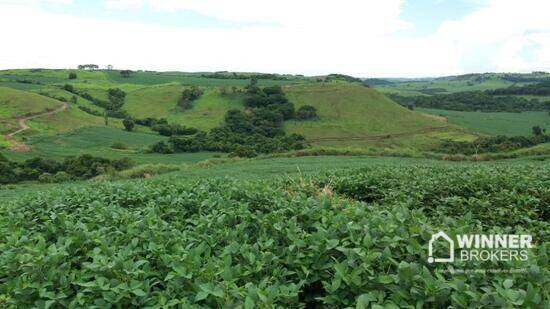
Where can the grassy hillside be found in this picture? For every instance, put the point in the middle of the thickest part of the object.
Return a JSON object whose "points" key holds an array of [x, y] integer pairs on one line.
{"points": [[15, 103], [351, 114], [161, 102], [100, 141], [500, 123]]}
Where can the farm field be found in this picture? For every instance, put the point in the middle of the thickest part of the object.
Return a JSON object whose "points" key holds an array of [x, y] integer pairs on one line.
{"points": [[102, 142], [497, 123], [351, 116], [241, 155], [210, 242]]}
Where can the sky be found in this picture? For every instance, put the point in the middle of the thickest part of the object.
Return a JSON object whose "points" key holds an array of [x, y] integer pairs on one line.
{"points": [[363, 38]]}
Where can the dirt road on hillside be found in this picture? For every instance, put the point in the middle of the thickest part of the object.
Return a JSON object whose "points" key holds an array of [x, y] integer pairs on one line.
{"points": [[22, 122]]}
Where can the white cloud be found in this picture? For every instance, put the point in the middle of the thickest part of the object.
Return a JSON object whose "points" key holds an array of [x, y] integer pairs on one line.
{"points": [[123, 4], [34, 2], [380, 17], [310, 37], [504, 26]]}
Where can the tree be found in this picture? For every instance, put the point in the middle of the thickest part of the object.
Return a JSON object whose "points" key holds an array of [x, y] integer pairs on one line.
{"points": [[88, 67], [68, 87], [72, 75], [74, 99], [306, 112], [188, 96], [537, 130], [116, 98], [128, 124], [125, 73], [106, 118]]}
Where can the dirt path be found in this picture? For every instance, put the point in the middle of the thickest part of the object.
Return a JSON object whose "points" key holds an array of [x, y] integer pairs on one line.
{"points": [[22, 122]]}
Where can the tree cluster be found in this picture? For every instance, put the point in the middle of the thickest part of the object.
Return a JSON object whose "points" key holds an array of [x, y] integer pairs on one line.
{"points": [[88, 67], [173, 129], [343, 77], [540, 89], [188, 96], [493, 144], [150, 121], [116, 99], [71, 168], [269, 101], [258, 129], [126, 73], [113, 107], [306, 112], [242, 76]]}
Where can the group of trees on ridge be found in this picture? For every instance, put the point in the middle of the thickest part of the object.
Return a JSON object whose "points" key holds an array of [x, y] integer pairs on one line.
{"points": [[241, 76], [88, 67]]}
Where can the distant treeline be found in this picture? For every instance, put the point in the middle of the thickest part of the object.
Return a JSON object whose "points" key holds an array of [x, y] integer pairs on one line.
{"points": [[343, 77], [541, 89], [234, 75], [71, 168], [378, 82], [493, 144], [473, 101], [527, 78]]}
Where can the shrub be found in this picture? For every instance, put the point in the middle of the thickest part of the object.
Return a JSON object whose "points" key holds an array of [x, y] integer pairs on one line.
{"points": [[244, 152], [46, 178], [68, 87], [173, 129], [61, 177], [306, 112], [72, 75], [119, 145], [161, 147], [129, 124]]}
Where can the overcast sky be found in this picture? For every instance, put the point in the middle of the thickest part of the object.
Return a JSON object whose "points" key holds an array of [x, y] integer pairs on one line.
{"points": [[366, 38]]}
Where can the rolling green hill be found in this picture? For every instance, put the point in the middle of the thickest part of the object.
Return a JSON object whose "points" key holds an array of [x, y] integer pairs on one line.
{"points": [[15, 103], [350, 114], [161, 102], [354, 115]]}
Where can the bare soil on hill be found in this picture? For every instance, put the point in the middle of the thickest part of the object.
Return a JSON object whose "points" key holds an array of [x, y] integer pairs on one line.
{"points": [[22, 122]]}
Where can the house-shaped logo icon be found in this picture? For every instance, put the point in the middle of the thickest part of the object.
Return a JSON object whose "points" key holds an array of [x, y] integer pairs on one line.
{"points": [[448, 239]]}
